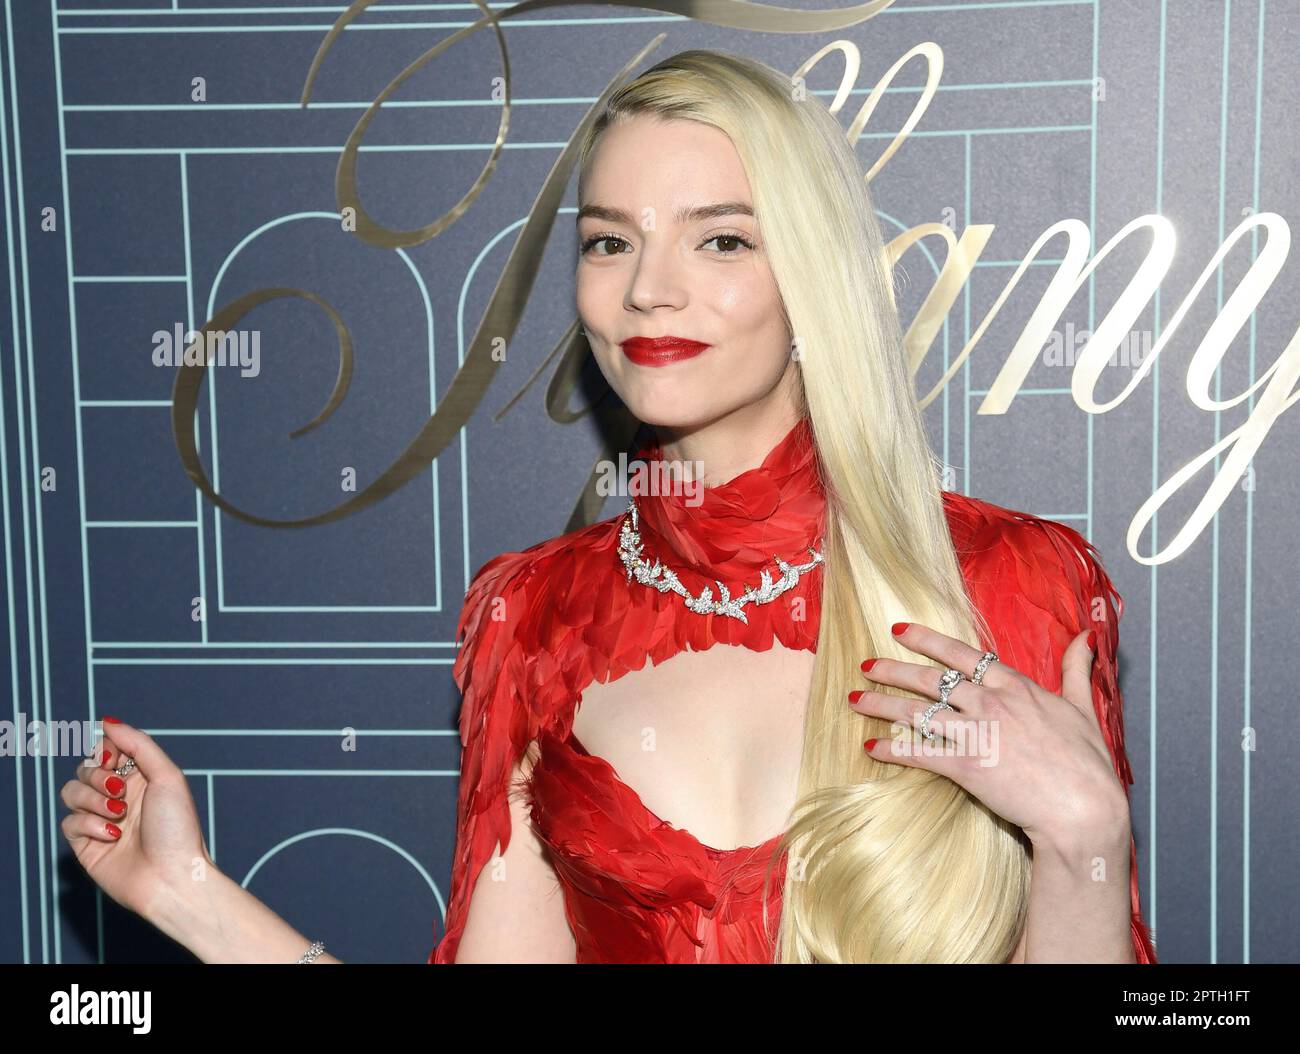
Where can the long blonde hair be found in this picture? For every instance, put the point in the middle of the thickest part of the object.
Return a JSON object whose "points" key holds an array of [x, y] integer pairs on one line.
{"points": [[886, 863]]}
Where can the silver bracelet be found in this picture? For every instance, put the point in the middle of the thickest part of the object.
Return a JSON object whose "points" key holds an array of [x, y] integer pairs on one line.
{"points": [[313, 953]]}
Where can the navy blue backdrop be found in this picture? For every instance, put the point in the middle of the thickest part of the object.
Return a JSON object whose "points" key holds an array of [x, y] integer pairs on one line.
{"points": [[302, 676]]}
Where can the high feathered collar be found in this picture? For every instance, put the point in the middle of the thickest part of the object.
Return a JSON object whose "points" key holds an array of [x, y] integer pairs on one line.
{"points": [[775, 509]]}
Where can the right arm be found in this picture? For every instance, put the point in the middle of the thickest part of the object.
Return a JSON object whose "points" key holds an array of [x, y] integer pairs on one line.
{"points": [[220, 921], [164, 873], [516, 912], [511, 688], [156, 863], [158, 866]]}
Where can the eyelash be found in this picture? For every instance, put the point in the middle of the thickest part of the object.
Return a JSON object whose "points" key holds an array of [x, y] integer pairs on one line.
{"points": [[606, 236]]}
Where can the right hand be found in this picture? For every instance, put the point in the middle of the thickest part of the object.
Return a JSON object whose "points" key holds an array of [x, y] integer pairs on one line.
{"points": [[161, 845]]}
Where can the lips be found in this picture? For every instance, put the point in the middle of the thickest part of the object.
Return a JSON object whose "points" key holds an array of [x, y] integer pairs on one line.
{"points": [[661, 351]]}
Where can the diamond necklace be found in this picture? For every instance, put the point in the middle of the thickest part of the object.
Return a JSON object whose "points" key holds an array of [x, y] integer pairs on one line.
{"points": [[663, 579]]}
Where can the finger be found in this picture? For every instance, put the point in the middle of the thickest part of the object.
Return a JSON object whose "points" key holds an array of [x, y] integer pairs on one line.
{"points": [[1076, 674], [953, 652], [79, 797], [104, 781], [900, 711], [133, 742], [100, 756], [924, 681], [104, 755], [912, 751], [83, 825], [110, 754]]}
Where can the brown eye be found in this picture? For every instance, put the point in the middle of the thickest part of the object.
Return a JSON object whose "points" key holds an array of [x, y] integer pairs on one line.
{"points": [[599, 239], [729, 244]]}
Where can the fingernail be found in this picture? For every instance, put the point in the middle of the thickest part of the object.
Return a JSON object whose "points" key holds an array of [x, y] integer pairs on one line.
{"points": [[113, 829], [114, 805], [855, 696], [114, 784], [1092, 639], [869, 744], [113, 720], [899, 627], [104, 761], [866, 666]]}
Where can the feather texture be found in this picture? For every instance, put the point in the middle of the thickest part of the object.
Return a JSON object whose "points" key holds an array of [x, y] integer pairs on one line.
{"points": [[1039, 584], [539, 626]]}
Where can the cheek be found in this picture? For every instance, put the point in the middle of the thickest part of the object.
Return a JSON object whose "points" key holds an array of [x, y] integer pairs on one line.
{"points": [[749, 299], [599, 291], [583, 296], [759, 345], [749, 365]]}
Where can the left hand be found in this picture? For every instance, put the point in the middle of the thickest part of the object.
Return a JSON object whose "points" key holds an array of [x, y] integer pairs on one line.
{"points": [[1037, 759]]}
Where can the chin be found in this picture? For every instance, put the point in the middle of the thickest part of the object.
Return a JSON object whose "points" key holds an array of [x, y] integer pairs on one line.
{"points": [[677, 396], [666, 413], [674, 402]]}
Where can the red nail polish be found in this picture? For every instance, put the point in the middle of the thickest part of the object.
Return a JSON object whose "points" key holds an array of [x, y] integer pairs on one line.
{"points": [[113, 829], [899, 627], [114, 805], [113, 720], [855, 696], [114, 784], [104, 763], [1092, 639], [869, 744], [866, 666]]}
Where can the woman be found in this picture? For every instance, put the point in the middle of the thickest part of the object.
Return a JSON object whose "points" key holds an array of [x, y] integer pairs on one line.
{"points": [[735, 292]]}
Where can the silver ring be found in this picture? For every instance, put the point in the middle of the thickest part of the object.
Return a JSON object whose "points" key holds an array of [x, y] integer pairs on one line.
{"points": [[950, 679], [126, 765], [982, 666]]}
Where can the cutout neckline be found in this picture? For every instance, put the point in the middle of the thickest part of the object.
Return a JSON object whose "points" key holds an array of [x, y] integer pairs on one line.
{"points": [[573, 742]]}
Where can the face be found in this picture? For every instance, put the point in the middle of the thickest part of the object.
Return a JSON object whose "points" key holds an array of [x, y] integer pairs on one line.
{"points": [[657, 259]]}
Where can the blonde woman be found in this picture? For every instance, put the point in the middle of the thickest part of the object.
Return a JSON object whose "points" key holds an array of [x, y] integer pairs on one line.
{"points": [[796, 703]]}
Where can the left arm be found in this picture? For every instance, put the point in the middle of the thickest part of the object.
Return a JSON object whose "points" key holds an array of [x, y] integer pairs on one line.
{"points": [[1063, 775], [1079, 899], [1052, 777], [1060, 588]]}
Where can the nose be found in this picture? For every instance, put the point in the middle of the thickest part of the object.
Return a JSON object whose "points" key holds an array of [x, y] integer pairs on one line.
{"points": [[657, 279]]}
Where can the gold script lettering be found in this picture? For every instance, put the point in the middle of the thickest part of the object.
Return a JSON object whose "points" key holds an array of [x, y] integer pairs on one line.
{"points": [[506, 305]]}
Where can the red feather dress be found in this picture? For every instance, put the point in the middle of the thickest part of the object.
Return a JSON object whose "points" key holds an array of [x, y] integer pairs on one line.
{"points": [[543, 624]]}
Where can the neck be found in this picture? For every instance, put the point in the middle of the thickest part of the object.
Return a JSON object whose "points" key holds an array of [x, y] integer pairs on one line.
{"points": [[730, 445], [732, 528]]}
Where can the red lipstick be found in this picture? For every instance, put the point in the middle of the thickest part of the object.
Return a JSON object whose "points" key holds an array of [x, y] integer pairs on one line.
{"points": [[660, 351]]}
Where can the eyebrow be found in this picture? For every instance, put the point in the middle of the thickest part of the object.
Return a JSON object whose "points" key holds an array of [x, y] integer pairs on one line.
{"points": [[682, 215]]}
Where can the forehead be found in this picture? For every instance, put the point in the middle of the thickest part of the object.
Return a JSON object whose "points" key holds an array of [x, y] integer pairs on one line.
{"points": [[668, 165]]}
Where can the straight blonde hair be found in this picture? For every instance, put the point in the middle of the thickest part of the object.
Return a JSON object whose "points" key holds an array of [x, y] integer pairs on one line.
{"points": [[887, 863]]}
